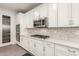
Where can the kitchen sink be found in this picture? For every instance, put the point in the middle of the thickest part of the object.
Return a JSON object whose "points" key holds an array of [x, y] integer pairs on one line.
{"points": [[40, 36]]}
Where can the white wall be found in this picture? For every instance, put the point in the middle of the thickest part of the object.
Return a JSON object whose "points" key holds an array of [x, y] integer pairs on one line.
{"points": [[12, 14]]}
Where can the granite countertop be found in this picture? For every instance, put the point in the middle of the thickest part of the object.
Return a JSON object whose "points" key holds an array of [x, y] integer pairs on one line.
{"points": [[64, 42], [56, 41]]}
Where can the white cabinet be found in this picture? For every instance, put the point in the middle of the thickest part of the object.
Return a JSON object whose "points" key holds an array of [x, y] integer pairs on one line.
{"points": [[25, 20], [61, 50], [36, 13], [29, 16], [75, 13], [41, 48], [38, 48], [64, 15], [31, 46], [48, 49], [24, 43], [59, 15], [43, 10], [52, 15], [18, 18]]}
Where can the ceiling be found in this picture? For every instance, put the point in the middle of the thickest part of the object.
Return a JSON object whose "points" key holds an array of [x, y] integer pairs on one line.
{"points": [[19, 7]]}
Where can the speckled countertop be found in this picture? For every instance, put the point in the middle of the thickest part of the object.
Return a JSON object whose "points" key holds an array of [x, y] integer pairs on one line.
{"points": [[57, 41]]}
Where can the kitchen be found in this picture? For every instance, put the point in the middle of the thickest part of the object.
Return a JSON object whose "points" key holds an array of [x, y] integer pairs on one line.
{"points": [[45, 29]]}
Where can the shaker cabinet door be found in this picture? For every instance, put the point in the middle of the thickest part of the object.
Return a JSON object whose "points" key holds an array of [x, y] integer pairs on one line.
{"points": [[48, 51], [64, 15], [32, 46], [39, 48], [52, 15], [75, 13], [43, 10], [61, 50]]}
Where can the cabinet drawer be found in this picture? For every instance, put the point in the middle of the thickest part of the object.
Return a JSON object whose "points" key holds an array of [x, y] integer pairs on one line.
{"points": [[73, 51], [49, 44], [67, 51]]}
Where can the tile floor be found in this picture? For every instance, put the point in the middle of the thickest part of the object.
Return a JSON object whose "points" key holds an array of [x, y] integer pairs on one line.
{"points": [[12, 50]]}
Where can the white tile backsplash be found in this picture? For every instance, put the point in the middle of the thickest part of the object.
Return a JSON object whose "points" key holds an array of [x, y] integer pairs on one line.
{"points": [[69, 34]]}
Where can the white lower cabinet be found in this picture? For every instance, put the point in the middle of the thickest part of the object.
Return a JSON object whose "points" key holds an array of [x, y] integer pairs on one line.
{"points": [[24, 43], [61, 50], [38, 48], [31, 46], [48, 49], [41, 48]]}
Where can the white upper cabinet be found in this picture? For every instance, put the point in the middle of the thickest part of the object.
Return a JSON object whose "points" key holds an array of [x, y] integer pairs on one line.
{"points": [[58, 15], [43, 10], [32, 46], [19, 18], [64, 15], [52, 15], [75, 13], [29, 16], [36, 13]]}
